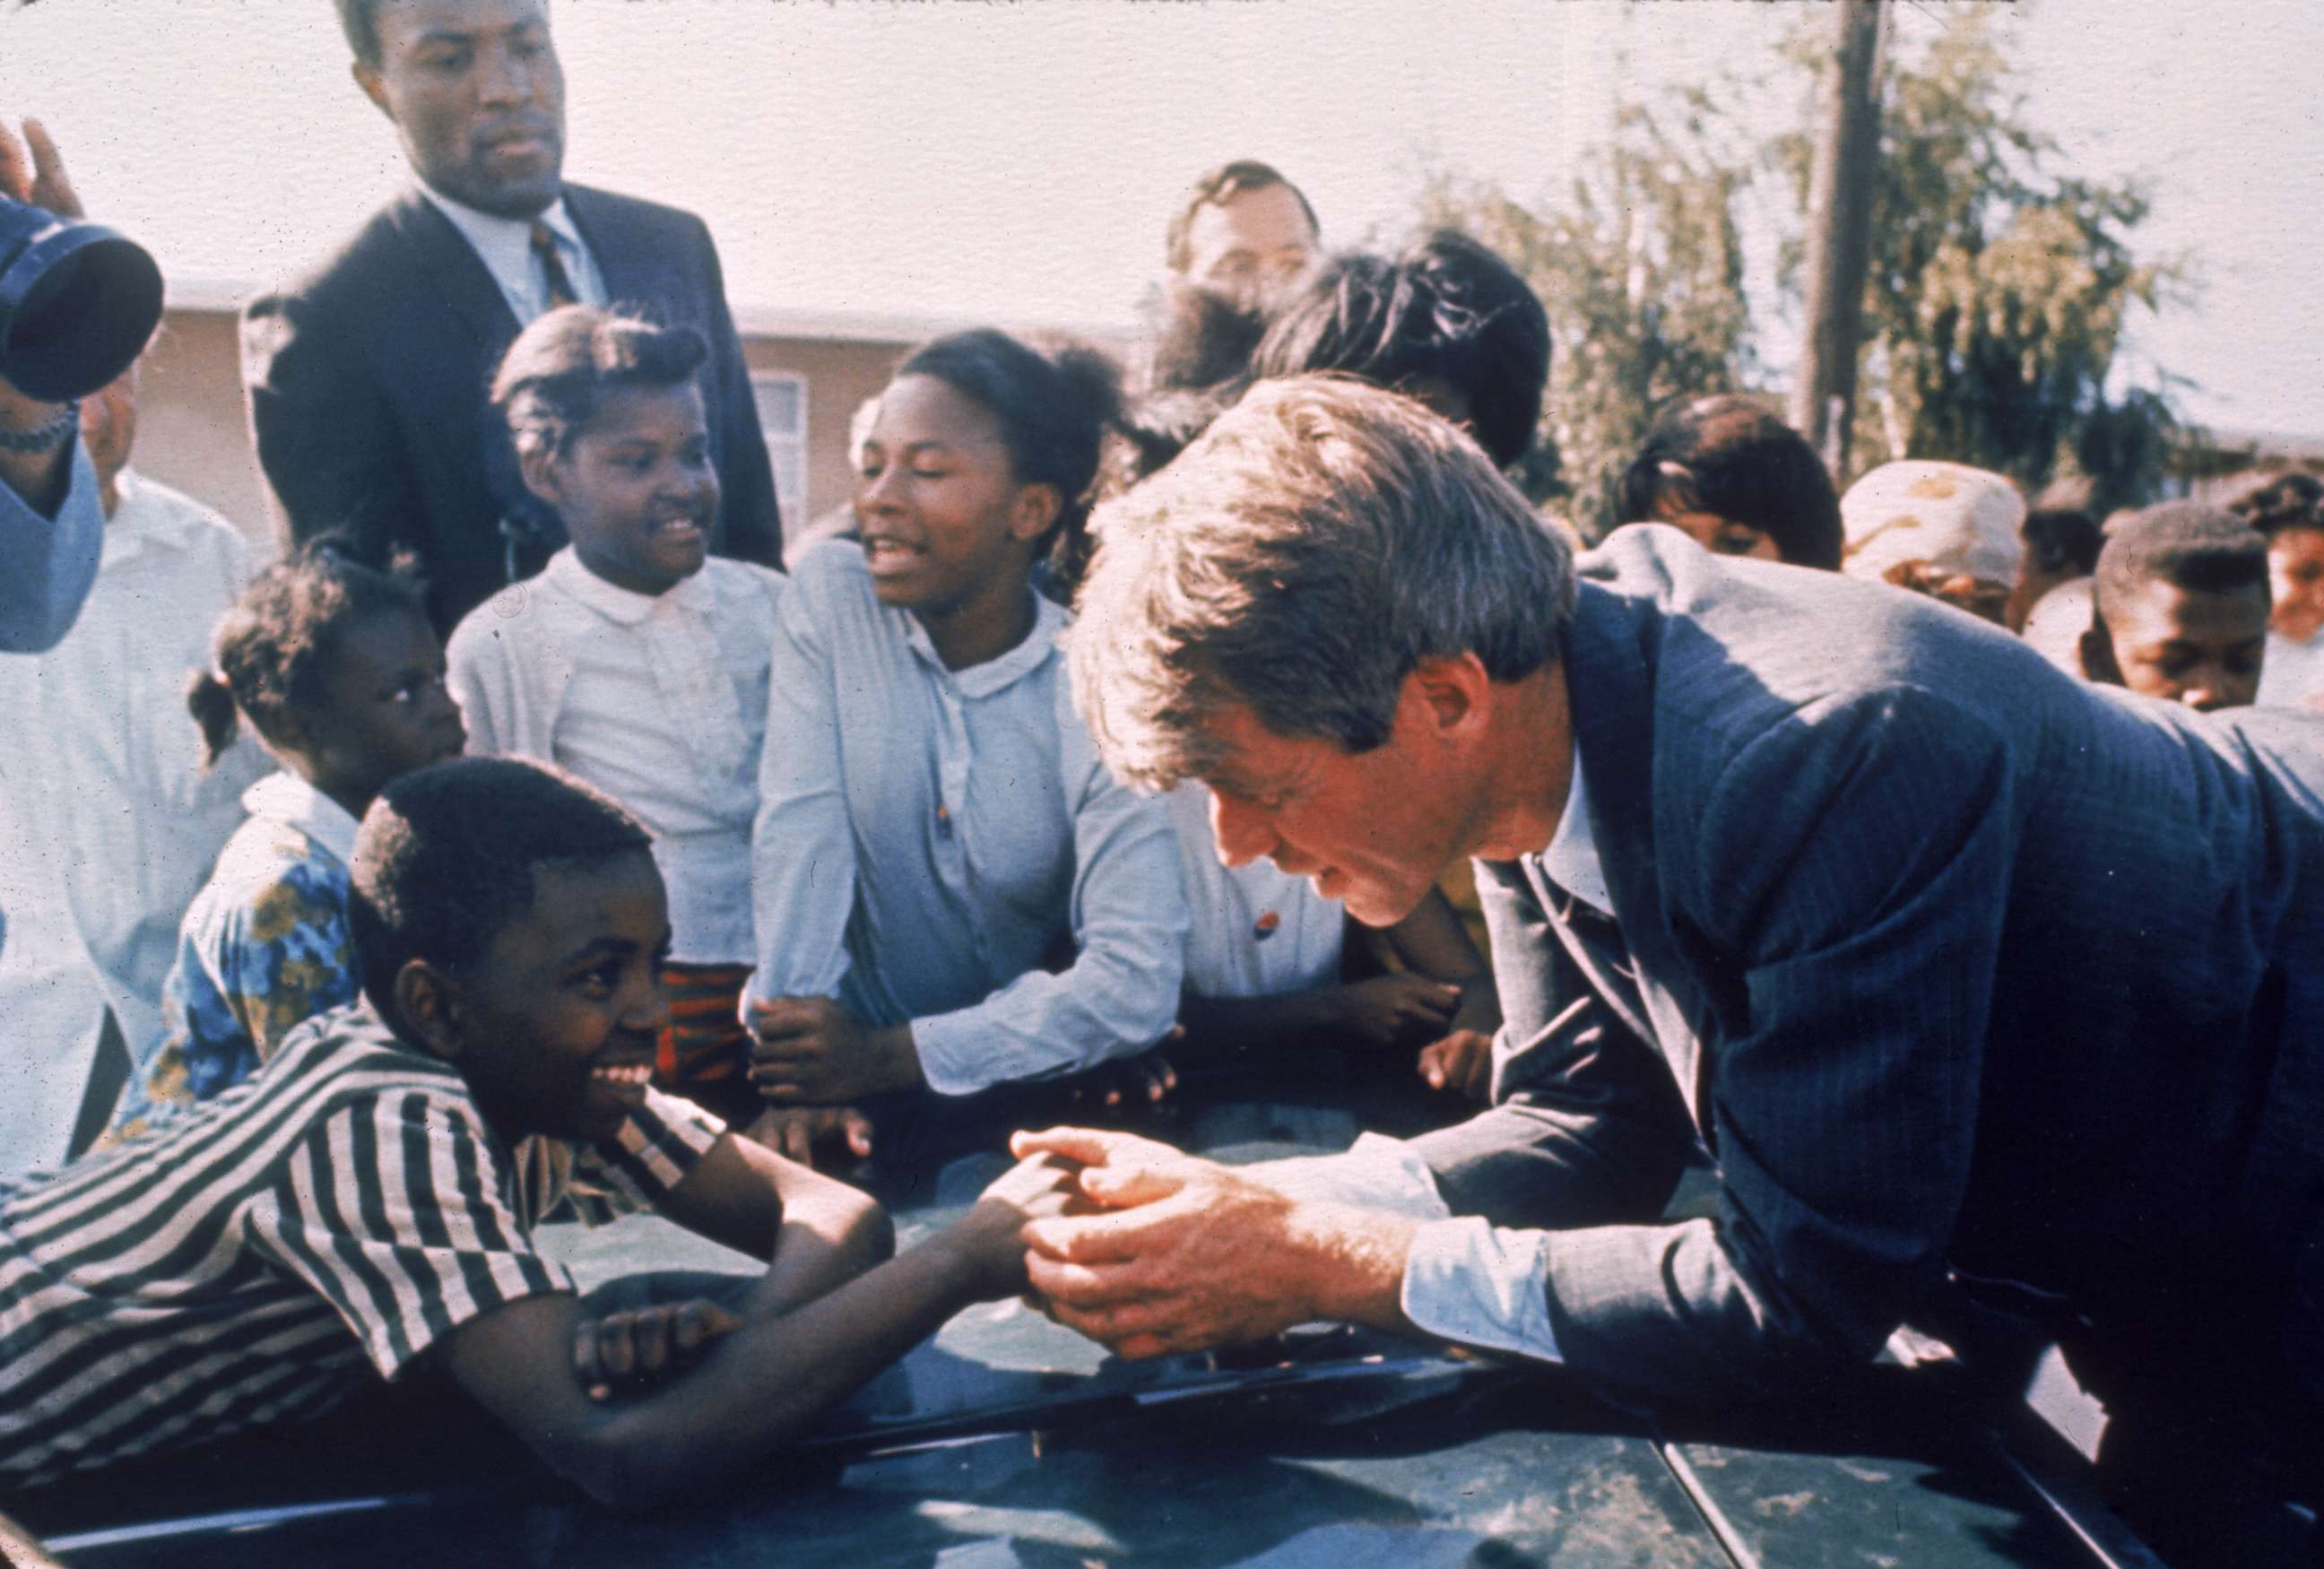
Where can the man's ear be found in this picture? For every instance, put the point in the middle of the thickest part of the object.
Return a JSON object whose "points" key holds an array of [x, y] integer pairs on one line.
{"points": [[374, 85], [428, 1005], [536, 462], [1454, 694], [1033, 512]]}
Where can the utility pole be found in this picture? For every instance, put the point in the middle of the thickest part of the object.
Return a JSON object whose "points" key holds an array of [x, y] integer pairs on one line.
{"points": [[1840, 233]]}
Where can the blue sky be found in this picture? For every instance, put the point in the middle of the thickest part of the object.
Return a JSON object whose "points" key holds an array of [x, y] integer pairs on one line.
{"points": [[948, 160]]}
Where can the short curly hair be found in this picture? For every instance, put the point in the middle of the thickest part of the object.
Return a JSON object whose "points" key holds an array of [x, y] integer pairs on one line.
{"points": [[2201, 549], [448, 855]]}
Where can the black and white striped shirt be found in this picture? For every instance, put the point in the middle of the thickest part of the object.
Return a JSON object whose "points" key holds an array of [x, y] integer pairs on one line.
{"points": [[241, 1263]]}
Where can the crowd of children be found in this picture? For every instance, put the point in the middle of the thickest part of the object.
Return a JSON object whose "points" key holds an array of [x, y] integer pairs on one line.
{"points": [[826, 859]]}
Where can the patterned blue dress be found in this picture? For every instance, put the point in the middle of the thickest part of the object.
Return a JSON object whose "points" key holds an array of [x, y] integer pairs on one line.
{"points": [[263, 947]]}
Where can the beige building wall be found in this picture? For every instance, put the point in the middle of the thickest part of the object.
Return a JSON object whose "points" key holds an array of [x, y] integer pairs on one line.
{"points": [[192, 432]]}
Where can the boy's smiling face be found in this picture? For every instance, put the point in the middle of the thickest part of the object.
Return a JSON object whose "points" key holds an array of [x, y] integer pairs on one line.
{"points": [[555, 1028]]}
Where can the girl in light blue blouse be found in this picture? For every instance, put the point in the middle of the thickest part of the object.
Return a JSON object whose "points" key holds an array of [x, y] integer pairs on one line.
{"points": [[951, 891]]}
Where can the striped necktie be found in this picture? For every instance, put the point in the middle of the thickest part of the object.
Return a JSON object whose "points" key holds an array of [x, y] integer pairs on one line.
{"points": [[552, 266]]}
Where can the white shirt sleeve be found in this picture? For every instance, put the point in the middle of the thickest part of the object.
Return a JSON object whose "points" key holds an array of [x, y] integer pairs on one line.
{"points": [[1481, 1285], [1464, 1280]]}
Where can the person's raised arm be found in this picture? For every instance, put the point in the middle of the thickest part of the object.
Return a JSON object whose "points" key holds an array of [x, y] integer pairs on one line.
{"points": [[802, 845], [52, 522]]}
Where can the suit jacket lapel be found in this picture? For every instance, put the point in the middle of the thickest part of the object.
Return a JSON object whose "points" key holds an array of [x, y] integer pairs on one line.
{"points": [[1610, 681], [452, 264], [634, 274]]}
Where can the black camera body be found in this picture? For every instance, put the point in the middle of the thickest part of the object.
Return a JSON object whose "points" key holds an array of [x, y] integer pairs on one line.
{"points": [[77, 303]]}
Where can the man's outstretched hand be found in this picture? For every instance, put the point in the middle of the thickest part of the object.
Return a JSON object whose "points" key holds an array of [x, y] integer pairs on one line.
{"points": [[1192, 1254]]}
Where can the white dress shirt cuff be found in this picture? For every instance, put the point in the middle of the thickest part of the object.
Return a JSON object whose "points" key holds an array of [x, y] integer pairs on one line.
{"points": [[1478, 1285], [1375, 1173]]}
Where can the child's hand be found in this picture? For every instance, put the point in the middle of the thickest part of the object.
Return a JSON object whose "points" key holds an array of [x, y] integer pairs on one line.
{"points": [[1387, 1009], [1462, 1062], [625, 1352], [796, 1132], [1147, 1078], [1035, 1188], [811, 1049]]}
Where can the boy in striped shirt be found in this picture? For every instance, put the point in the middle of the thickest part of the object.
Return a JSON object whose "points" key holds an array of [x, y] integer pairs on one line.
{"points": [[370, 1196]]}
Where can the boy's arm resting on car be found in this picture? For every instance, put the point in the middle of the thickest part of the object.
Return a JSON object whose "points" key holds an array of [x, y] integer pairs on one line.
{"points": [[795, 1354]]}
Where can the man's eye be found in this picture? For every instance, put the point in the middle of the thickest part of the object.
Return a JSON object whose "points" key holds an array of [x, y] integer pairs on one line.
{"points": [[930, 473]]}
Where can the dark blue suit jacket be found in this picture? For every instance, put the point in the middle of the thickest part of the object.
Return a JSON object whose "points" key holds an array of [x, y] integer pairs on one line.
{"points": [[1945, 957], [366, 383]]}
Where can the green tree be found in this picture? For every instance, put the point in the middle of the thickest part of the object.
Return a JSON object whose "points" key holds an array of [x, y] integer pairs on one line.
{"points": [[1994, 304], [1999, 290], [1640, 266]]}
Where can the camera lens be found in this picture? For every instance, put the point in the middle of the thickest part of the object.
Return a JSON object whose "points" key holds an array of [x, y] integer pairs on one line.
{"points": [[77, 303]]}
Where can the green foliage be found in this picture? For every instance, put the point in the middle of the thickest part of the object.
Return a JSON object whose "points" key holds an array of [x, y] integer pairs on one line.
{"points": [[1999, 290], [1640, 268], [1994, 304]]}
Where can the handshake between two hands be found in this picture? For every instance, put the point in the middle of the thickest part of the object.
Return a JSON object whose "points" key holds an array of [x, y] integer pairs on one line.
{"points": [[1142, 1248], [1152, 1251]]}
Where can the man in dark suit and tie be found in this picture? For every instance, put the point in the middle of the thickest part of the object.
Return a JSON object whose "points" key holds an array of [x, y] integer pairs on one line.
{"points": [[1963, 975], [367, 379]]}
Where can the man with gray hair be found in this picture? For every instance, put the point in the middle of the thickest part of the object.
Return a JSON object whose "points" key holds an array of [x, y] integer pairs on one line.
{"points": [[1952, 965]]}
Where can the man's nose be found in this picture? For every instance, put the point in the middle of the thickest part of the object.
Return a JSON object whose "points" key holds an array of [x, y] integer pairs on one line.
{"points": [[502, 80]]}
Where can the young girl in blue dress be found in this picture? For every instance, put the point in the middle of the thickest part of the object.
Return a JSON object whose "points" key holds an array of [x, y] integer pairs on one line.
{"points": [[336, 668]]}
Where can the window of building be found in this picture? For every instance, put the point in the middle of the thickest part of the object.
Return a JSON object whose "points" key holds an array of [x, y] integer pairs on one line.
{"points": [[781, 397]]}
